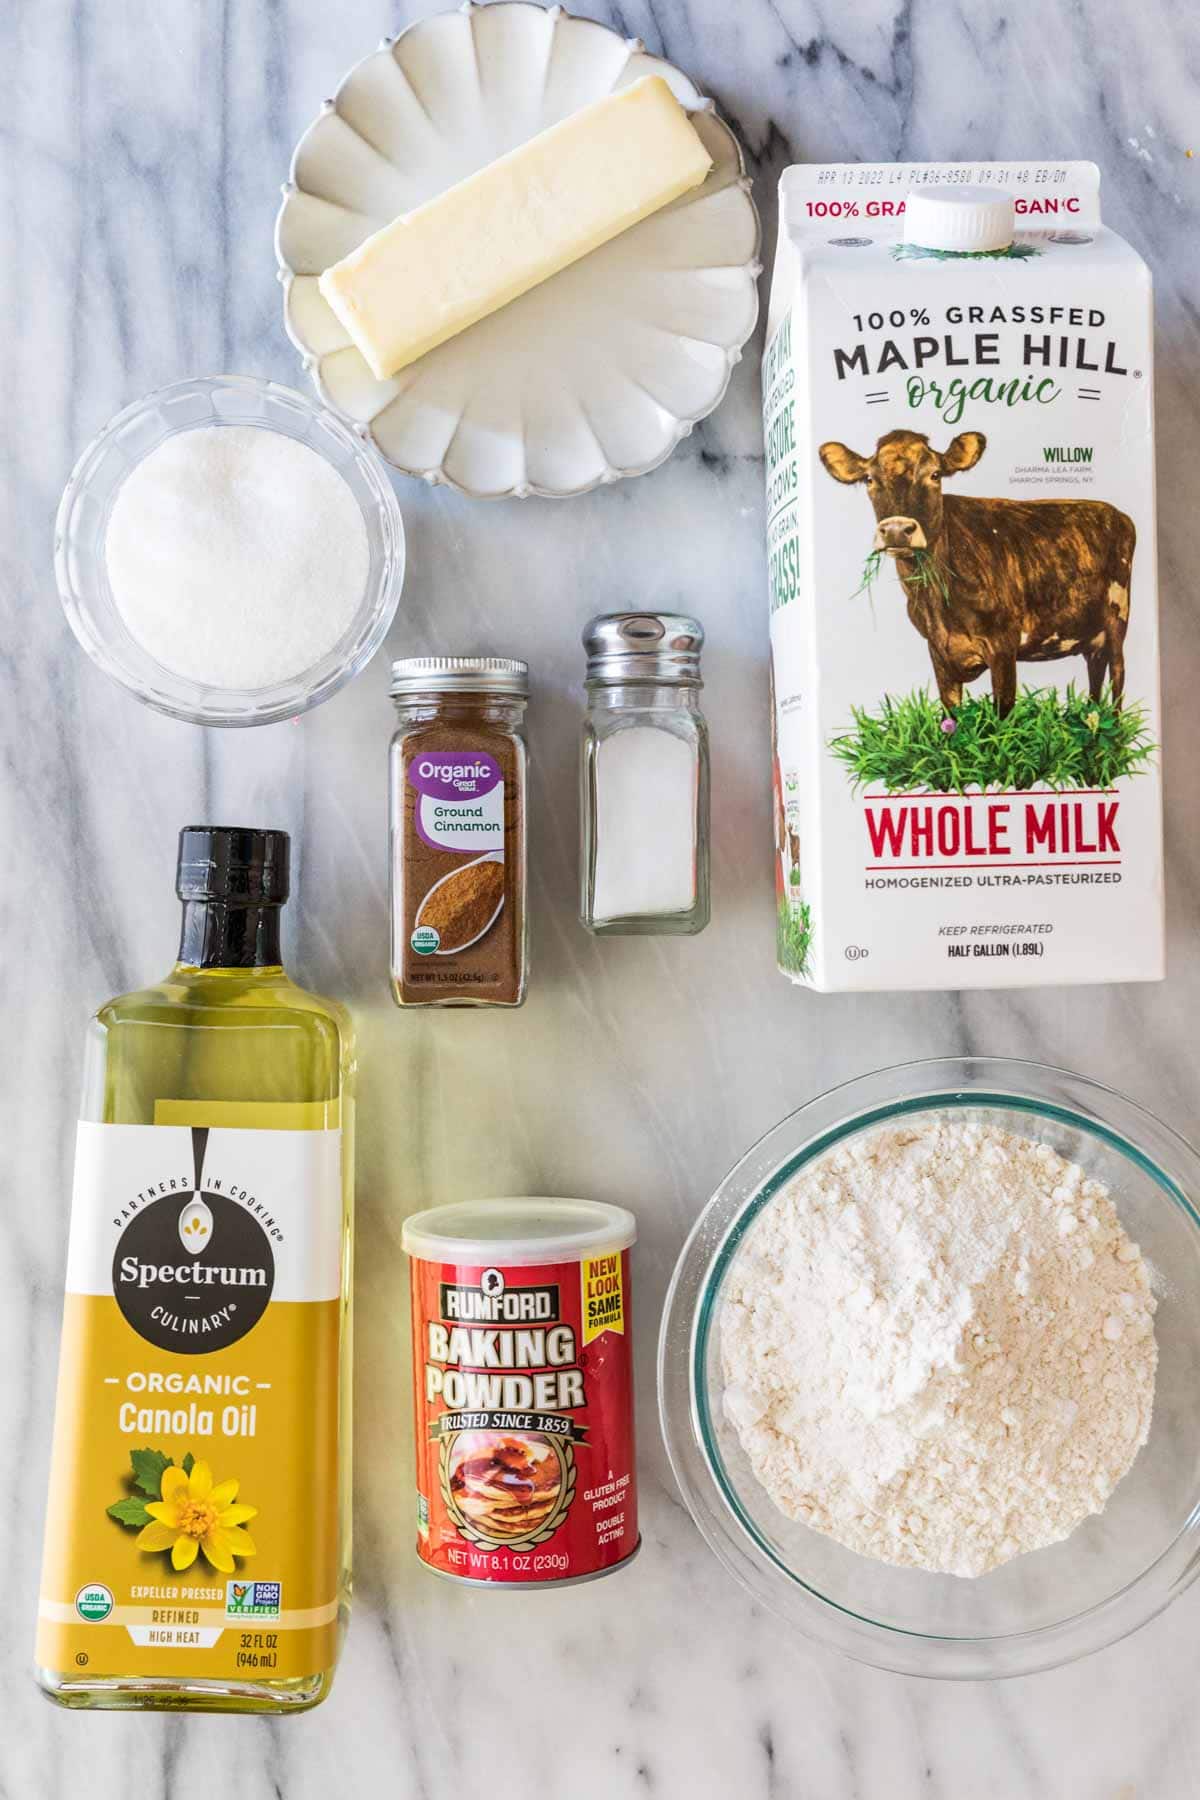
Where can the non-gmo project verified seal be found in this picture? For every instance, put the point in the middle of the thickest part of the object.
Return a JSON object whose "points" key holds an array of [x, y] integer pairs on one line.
{"points": [[252, 1599]]}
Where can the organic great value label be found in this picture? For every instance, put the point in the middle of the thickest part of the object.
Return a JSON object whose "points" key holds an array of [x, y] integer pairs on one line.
{"points": [[193, 1483], [460, 800], [524, 1402]]}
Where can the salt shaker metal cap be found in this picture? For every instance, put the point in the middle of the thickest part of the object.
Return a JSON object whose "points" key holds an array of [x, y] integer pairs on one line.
{"points": [[644, 646]]}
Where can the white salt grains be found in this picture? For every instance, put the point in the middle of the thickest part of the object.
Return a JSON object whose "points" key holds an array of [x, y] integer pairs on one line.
{"points": [[237, 557], [645, 824]]}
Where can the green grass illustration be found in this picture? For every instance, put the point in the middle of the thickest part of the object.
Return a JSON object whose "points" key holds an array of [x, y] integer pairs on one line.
{"points": [[870, 575], [927, 572], [919, 253], [1049, 739], [794, 936]]}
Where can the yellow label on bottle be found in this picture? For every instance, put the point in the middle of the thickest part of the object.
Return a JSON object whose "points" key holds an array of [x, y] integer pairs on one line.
{"points": [[603, 1294], [192, 1522]]}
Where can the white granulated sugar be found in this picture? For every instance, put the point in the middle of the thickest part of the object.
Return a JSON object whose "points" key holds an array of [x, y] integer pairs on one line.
{"points": [[237, 557], [938, 1346]]}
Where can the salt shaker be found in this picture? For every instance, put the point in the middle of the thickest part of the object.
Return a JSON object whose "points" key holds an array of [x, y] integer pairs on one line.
{"points": [[644, 803]]}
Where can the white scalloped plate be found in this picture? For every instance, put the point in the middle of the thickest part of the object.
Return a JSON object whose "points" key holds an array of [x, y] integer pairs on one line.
{"points": [[594, 375]]}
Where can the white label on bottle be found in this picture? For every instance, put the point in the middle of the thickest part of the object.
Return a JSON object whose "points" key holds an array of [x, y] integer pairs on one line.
{"points": [[204, 1213]]}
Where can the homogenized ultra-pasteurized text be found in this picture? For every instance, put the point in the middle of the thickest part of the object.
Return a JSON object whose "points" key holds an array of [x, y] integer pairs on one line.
{"points": [[964, 638]]}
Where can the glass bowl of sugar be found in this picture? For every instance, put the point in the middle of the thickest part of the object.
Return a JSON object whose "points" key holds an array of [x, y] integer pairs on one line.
{"points": [[928, 1368], [229, 551]]}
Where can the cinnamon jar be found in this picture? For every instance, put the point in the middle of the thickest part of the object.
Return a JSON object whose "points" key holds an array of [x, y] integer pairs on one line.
{"points": [[458, 831]]}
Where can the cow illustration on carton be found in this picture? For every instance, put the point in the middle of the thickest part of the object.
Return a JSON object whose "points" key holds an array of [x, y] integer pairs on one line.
{"points": [[990, 583]]}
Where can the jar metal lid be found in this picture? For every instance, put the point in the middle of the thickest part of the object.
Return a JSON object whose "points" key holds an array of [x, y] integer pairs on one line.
{"points": [[459, 675], [644, 646], [522, 1229]]}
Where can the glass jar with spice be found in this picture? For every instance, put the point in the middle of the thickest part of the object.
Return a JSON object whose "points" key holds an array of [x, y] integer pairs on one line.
{"points": [[644, 804], [457, 781]]}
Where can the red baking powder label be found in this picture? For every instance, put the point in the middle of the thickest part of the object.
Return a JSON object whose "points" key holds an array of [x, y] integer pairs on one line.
{"points": [[524, 1407]]}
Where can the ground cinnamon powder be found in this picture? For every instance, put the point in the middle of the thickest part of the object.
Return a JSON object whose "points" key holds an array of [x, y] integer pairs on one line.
{"points": [[458, 855], [462, 905]]}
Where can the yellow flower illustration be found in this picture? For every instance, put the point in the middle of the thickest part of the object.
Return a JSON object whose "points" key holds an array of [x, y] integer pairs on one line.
{"points": [[193, 1515]]}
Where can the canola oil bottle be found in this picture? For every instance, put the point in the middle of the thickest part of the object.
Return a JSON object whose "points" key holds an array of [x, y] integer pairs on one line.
{"points": [[197, 1550]]}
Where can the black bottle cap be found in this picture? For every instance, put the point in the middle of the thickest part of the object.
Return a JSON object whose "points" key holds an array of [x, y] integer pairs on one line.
{"points": [[233, 863]]}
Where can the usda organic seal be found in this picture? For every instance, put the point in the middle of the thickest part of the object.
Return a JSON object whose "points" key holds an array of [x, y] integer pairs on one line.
{"points": [[425, 940], [94, 1602]]}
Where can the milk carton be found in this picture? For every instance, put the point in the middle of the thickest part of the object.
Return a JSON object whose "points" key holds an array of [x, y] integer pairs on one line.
{"points": [[960, 533]]}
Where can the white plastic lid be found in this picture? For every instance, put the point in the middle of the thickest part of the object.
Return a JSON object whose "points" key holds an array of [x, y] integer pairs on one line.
{"points": [[959, 218], [526, 1229]]}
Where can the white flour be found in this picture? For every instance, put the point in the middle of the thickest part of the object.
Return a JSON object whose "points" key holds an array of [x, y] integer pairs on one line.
{"points": [[938, 1346]]}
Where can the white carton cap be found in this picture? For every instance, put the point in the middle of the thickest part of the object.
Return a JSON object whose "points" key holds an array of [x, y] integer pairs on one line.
{"points": [[959, 218]]}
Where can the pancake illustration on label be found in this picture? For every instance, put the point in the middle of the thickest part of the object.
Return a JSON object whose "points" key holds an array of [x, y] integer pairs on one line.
{"points": [[504, 1487]]}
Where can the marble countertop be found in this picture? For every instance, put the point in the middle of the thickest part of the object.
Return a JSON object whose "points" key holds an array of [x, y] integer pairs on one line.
{"points": [[143, 144]]}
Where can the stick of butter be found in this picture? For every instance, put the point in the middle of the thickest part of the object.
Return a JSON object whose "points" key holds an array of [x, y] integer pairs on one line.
{"points": [[468, 252]]}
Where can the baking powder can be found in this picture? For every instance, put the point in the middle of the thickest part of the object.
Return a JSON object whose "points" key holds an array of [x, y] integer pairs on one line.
{"points": [[523, 1389]]}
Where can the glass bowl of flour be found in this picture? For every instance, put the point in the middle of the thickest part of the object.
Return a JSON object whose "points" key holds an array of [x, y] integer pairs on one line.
{"points": [[229, 551], [928, 1368]]}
